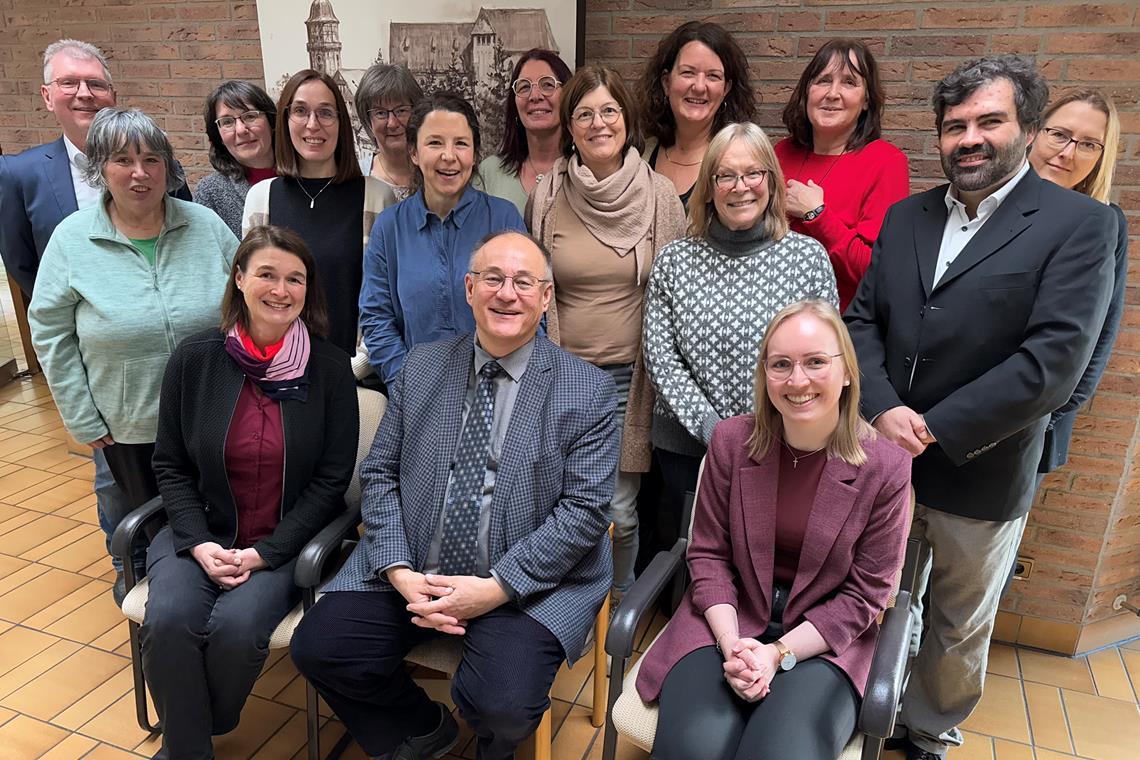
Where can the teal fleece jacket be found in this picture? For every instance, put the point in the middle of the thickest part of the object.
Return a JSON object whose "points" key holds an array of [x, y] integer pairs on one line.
{"points": [[104, 320]]}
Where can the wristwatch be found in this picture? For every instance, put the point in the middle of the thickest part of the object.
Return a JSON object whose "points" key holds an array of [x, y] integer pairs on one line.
{"points": [[787, 659], [813, 213]]}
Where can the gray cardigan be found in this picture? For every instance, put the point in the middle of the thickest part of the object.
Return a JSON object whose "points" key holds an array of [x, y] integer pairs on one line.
{"points": [[225, 196]]}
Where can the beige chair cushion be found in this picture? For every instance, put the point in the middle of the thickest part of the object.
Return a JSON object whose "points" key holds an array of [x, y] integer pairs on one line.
{"points": [[637, 720], [440, 654], [134, 607]]}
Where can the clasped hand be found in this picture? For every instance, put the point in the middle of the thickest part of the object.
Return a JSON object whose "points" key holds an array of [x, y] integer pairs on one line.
{"points": [[228, 568], [906, 427], [803, 198], [749, 667], [446, 602]]}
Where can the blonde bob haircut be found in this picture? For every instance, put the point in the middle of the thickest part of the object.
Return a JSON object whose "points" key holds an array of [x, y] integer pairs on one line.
{"points": [[846, 441], [701, 208], [1098, 184]]}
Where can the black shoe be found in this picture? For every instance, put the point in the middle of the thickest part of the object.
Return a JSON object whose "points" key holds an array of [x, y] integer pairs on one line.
{"points": [[436, 744], [913, 751], [119, 590]]}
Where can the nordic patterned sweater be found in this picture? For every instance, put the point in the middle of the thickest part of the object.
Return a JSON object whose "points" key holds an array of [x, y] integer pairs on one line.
{"points": [[707, 304]]}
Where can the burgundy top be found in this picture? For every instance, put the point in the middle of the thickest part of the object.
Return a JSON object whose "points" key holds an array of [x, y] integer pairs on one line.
{"points": [[849, 562], [255, 464], [795, 493], [253, 176]]}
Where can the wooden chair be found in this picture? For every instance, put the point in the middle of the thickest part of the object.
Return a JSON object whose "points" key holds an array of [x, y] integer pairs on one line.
{"points": [[313, 565]]}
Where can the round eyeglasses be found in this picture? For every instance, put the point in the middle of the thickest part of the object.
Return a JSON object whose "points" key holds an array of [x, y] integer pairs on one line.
{"points": [[492, 280], [815, 366], [381, 114], [299, 114], [585, 117], [547, 85]]}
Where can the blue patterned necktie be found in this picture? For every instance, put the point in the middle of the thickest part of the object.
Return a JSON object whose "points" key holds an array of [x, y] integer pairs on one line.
{"points": [[458, 550]]}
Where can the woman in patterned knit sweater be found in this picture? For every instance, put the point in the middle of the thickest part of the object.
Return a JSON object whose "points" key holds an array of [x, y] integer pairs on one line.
{"points": [[709, 297]]}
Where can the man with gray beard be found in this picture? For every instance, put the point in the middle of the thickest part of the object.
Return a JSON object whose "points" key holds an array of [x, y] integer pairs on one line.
{"points": [[975, 320]]}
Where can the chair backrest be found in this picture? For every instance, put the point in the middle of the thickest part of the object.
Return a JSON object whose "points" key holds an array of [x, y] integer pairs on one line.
{"points": [[372, 406], [693, 504]]}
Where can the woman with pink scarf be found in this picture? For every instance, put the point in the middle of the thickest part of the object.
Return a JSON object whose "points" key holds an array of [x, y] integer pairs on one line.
{"points": [[257, 435]]}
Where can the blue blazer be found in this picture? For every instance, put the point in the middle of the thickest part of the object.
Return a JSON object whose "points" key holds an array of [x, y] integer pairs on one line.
{"points": [[550, 509], [35, 195]]}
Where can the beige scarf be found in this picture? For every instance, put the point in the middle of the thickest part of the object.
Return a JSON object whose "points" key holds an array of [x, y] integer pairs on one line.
{"points": [[618, 210]]}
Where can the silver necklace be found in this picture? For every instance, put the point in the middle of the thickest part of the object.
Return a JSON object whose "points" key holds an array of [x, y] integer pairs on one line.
{"points": [[537, 175], [796, 459], [313, 198]]}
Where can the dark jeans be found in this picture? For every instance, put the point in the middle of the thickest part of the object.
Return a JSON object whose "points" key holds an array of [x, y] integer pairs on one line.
{"points": [[809, 715], [676, 475], [352, 644], [131, 468], [202, 647], [112, 507]]}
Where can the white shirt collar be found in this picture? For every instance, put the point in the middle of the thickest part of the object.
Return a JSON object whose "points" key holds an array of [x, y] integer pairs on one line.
{"points": [[72, 151], [990, 203]]}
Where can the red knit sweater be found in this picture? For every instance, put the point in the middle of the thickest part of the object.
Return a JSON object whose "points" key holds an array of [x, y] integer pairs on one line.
{"points": [[857, 190]]}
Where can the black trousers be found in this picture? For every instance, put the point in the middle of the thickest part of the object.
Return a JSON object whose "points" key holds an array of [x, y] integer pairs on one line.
{"points": [[672, 476], [810, 713], [352, 644], [131, 468]]}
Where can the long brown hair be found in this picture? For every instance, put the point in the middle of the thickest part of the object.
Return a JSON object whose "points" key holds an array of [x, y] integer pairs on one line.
{"points": [[314, 313], [869, 125], [347, 167], [852, 430]]}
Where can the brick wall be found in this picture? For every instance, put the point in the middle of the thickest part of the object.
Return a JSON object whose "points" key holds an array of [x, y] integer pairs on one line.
{"points": [[1085, 530]]}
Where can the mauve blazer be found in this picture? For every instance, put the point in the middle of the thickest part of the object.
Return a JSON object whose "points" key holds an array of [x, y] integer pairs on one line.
{"points": [[852, 551]]}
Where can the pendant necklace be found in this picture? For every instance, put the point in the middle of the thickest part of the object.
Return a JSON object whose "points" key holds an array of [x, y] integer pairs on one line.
{"points": [[538, 176], [313, 198], [831, 166], [796, 459], [678, 163]]}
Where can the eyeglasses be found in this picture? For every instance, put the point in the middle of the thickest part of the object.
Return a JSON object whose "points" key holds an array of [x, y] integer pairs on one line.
{"points": [[492, 280], [546, 85], [229, 123], [751, 179], [781, 367], [299, 114], [1060, 139], [70, 85], [381, 114], [585, 117]]}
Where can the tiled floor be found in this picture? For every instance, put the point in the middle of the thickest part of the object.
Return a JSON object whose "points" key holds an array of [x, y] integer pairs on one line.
{"points": [[65, 686]]}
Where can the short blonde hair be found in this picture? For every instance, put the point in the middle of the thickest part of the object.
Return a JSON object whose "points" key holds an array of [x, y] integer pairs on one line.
{"points": [[846, 441], [1098, 184], [701, 208]]}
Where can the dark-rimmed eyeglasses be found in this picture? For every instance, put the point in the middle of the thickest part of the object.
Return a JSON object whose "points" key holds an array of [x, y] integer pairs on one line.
{"points": [[492, 280], [585, 117], [402, 113], [751, 180], [70, 85], [814, 365], [1059, 139], [299, 114], [547, 85], [228, 123]]}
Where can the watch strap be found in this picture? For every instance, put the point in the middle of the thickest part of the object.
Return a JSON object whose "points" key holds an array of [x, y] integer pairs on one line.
{"points": [[815, 212]]}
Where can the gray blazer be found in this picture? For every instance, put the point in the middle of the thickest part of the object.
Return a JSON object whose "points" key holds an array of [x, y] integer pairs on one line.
{"points": [[550, 509]]}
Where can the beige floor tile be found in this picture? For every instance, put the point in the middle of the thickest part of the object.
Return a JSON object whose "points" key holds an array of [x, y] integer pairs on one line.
{"points": [[1131, 659], [18, 645], [89, 548], [29, 496], [8, 511], [568, 682], [23, 444], [73, 747], [1103, 729], [6, 715], [61, 686], [974, 747], [47, 587], [275, 676], [1001, 712], [574, 732], [33, 421], [260, 719], [64, 490], [1109, 675], [1007, 750], [1047, 717], [25, 517], [1055, 670], [9, 565], [96, 701], [22, 738], [114, 638], [293, 695], [627, 750], [1003, 661], [116, 725], [80, 509], [46, 459], [107, 752], [28, 537], [78, 467], [1048, 754], [89, 622], [33, 667], [61, 542], [1133, 645], [288, 741], [67, 604]]}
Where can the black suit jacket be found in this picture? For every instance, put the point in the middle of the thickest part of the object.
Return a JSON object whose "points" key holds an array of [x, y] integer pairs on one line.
{"points": [[991, 351]]}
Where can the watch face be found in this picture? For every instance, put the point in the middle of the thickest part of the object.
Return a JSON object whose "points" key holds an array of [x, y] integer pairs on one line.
{"points": [[788, 661]]}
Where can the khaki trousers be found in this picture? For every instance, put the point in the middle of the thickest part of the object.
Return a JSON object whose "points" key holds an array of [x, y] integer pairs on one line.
{"points": [[965, 572]]}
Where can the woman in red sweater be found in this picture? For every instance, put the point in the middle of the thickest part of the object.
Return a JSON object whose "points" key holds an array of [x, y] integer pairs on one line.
{"points": [[841, 175]]}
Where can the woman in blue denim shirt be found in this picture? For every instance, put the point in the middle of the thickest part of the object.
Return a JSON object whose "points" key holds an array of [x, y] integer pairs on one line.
{"points": [[418, 250]]}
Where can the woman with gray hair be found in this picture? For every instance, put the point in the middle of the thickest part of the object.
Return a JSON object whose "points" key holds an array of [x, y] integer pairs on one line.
{"points": [[384, 102], [121, 283]]}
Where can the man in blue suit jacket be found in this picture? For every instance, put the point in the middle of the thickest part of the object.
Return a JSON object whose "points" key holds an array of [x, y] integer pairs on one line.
{"points": [[41, 186], [536, 550]]}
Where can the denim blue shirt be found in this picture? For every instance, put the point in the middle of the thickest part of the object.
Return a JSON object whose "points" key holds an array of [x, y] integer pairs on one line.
{"points": [[413, 273]]}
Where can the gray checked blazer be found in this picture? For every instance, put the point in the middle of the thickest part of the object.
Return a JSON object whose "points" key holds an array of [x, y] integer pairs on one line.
{"points": [[550, 509]]}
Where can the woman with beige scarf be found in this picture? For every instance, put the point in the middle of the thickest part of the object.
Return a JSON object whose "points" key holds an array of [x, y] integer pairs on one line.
{"points": [[603, 214]]}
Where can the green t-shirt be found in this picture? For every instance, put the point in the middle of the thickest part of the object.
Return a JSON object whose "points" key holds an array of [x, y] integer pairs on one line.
{"points": [[146, 246]]}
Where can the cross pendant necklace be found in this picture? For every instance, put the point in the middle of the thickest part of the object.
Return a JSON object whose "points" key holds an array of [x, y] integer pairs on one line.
{"points": [[796, 459]]}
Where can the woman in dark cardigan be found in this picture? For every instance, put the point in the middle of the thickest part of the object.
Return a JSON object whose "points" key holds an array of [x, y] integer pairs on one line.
{"points": [[256, 445]]}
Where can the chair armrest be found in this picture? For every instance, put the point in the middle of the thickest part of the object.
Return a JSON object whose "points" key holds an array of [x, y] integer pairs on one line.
{"points": [[310, 569], [888, 669], [641, 597], [133, 525]]}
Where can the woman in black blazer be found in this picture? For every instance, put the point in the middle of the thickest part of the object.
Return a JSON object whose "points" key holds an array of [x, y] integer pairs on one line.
{"points": [[256, 445]]}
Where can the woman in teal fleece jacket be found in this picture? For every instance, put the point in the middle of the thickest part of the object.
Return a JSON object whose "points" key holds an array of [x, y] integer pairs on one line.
{"points": [[120, 285]]}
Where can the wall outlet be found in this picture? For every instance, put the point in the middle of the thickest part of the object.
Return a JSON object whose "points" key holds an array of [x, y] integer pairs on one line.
{"points": [[1022, 569]]}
